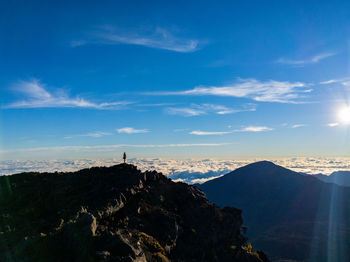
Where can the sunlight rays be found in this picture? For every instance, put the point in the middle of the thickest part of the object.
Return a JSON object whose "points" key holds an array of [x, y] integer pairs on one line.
{"points": [[329, 231]]}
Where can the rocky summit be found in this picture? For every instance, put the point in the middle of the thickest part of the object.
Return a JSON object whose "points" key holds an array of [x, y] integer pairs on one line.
{"points": [[115, 214]]}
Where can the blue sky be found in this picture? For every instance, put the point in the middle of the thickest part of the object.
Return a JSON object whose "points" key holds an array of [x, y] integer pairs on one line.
{"points": [[174, 79]]}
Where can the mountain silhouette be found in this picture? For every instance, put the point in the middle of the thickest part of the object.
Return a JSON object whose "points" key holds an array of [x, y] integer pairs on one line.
{"points": [[289, 215], [115, 214], [341, 178]]}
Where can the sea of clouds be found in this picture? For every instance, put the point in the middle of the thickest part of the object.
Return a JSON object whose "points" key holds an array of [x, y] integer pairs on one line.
{"points": [[189, 171]]}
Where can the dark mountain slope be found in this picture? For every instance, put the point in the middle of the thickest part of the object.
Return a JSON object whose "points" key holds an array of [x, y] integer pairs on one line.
{"points": [[288, 214], [341, 178], [115, 214]]}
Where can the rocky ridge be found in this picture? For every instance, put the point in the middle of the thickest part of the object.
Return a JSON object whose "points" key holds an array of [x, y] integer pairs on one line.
{"points": [[115, 214]]}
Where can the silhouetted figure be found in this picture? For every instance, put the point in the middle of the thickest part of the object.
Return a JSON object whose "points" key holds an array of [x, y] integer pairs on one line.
{"points": [[124, 157]]}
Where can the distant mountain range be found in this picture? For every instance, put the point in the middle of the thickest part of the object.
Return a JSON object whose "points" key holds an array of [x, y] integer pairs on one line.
{"points": [[115, 214], [341, 178], [293, 217]]}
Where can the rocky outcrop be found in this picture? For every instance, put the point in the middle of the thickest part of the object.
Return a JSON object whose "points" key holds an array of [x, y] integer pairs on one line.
{"points": [[115, 214]]}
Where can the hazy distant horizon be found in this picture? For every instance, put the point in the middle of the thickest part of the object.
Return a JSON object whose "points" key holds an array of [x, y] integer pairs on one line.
{"points": [[179, 151], [186, 170]]}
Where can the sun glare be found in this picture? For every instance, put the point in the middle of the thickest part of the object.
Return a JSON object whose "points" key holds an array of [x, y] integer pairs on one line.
{"points": [[344, 115]]}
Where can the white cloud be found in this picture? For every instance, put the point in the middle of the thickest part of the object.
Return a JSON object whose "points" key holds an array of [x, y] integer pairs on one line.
{"points": [[345, 81], [268, 91], [203, 109], [331, 81], [97, 134], [206, 133], [312, 60], [298, 125], [38, 97], [131, 130], [333, 124], [255, 129], [158, 38], [184, 111], [244, 129]]}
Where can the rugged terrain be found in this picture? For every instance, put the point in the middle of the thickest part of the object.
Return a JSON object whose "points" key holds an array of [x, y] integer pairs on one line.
{"points": [[115, 214], [290, 216]]}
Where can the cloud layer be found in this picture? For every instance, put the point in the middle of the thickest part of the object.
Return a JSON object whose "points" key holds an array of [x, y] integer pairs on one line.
{"points": [[189, 171]]}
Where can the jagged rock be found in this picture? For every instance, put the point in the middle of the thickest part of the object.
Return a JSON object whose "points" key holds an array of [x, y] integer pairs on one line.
{"points": [[116, 214], [87, 223]]}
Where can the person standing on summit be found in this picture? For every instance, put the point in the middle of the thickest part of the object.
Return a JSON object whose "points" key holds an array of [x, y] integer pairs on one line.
{"points": [[124, 157]]}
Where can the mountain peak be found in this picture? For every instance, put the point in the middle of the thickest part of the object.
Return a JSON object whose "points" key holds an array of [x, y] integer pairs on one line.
{"points": [[281, 208], [263, 163], [262, 167]]}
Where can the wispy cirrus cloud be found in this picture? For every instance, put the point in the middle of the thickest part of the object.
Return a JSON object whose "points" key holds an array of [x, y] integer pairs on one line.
{"points": [[302, 62], [96, 134], [37, 96], [345, 81], [262, 91], [298, 125], [255, 129], [331, 81], [244, 129], [158, 38], [131, 130], [203, 109], [184, 111], [209, 133]]}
